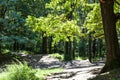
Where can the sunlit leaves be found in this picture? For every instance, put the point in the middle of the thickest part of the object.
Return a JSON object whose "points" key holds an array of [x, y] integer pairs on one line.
{"points": [[117, 7], [93, 21], [55, 26]]}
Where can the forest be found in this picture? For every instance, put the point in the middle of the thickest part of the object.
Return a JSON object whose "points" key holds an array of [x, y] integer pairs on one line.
{"points": [[48, 39]]}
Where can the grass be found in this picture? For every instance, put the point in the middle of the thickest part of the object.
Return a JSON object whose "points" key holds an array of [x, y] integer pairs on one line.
{"points": [[81, 58], [61, 57], [57, 56], [112, 75], [18, 72], [24, 72]]}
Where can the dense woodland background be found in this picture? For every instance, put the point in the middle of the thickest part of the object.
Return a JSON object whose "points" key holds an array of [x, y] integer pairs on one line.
{"points": [[73, 28]]}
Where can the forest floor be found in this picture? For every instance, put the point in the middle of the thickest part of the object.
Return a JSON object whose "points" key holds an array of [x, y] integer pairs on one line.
{"points": [[73, 70]]}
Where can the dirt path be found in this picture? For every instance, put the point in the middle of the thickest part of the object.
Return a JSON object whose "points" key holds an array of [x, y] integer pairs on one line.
{"points": [[76, 74], [73, 70]]}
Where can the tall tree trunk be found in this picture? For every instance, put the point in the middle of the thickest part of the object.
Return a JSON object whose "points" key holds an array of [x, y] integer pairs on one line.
{"points": [[73, 50], [100, 45], [112, 47], [82, 51], [68, 50], [2, 15], [94, 48], [14, 45], [89, 47], [0, 36], [0, 39], [50, 45], [66, 53], [44, 44]]}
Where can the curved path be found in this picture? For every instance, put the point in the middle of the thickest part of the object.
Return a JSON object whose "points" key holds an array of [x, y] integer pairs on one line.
{"points": [[83, 73], [73, 70]]}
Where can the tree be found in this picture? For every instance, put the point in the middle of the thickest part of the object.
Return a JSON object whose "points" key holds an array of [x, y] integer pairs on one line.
{"points": [[93, 25], [2, 13], [109, 19], [90, 48]]}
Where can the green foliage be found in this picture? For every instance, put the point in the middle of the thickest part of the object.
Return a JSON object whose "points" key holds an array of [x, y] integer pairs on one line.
{"points": [[93, 22], [61, 57], [77, 7], [13, 29], [63, 23], [23, 72], [81, 58], [18, 72], [57, 56], [55, 26]]}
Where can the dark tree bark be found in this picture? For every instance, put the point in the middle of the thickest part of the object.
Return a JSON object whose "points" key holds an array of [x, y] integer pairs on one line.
{"points": [[89, 48], [50, 45], [73, 50], [66, 53], [94, 48], [15, 45], [100, 45], [112, 47], [82, 47], [69, 54], [44, 44], [2, 15], [0, 36]]}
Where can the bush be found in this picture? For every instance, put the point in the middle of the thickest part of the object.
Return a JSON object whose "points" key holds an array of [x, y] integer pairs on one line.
{"points": [[23, 72], [57, 56], [18, 72]]}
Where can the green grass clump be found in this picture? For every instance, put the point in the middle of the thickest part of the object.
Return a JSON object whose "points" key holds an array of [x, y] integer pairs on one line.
{"points": [[18, 72], [57, 56], [24, 72], [61, 57], [81, 58]]}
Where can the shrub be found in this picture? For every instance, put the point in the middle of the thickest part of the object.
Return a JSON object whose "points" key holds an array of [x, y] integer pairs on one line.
{"points": [[18, 72], [57, 56]]}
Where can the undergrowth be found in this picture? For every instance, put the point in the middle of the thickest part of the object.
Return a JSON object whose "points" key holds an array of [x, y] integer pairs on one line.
{"points": [[61, 57], [24, 72], [18, 72], [57, 56]]}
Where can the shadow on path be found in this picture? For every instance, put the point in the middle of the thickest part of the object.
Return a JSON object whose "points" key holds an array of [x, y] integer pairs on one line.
{"points": [[73, 70]]}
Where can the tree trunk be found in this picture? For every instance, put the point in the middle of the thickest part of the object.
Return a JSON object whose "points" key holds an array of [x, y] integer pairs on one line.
{"points": [[2, 15], [100, 45], [0, 39], [82, 51], [50, 45], [66, 53], [44, 44], [94, 48], [89, 48], [73, 50], [68, 50], [112, 47]]}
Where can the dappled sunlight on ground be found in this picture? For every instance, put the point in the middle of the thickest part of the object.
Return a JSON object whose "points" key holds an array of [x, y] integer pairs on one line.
{"points": [[73, 70]]}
